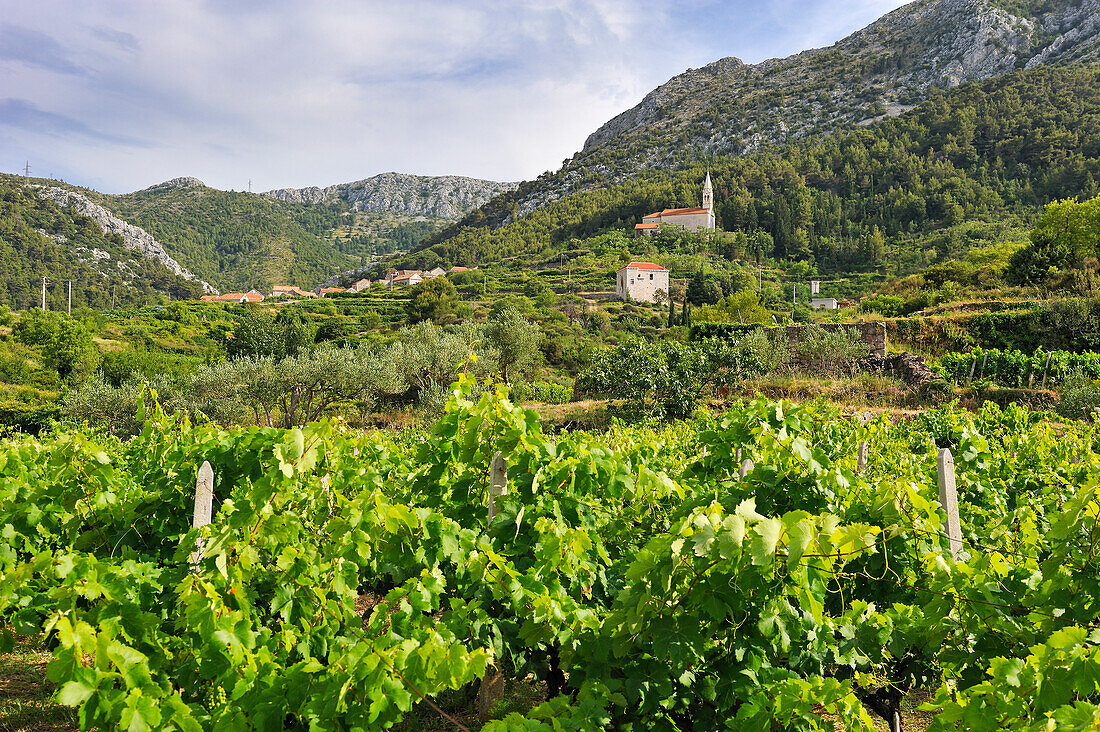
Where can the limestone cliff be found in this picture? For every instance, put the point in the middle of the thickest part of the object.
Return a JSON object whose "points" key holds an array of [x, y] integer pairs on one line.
{"points": [[446, 197]]}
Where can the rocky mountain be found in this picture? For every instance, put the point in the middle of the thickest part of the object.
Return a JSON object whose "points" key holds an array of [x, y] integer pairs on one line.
{"points": [[730, 107], [134, 238], [445, 197]]}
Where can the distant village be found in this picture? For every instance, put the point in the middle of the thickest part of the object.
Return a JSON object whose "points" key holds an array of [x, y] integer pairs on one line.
{"points": [[393, 278]]}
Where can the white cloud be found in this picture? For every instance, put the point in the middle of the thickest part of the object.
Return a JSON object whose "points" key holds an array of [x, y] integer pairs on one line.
{"points": [[294, 94]]}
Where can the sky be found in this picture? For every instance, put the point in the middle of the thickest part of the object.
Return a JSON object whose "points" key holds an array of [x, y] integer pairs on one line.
{"points": [[118, 95]]}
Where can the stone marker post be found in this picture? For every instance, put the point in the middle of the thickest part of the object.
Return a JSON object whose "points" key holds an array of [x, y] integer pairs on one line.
{"points": [[498, 482], [204, 499], [861, 461], [949, 501]]}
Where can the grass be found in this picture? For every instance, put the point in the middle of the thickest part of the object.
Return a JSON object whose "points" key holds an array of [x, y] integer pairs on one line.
{"points": [[26, 697]]}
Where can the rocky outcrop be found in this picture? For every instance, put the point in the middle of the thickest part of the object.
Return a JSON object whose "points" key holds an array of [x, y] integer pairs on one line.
{"points": [[445, 197], [134, 238]]}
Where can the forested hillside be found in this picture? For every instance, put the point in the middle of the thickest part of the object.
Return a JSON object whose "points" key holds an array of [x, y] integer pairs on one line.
{"points": [[39, 238], [238, 240], [891, 196]]}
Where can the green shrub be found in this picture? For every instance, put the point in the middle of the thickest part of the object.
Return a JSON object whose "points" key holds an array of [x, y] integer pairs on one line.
{"points": [[1080, 397], [541, 391]]}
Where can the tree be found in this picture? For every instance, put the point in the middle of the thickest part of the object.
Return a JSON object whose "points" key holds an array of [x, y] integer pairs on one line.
{"points": [[516, 340], [703, 289], [72, 353], [298, 331], [1066, 234], [37, 327], [255, 334], [432, 300]]}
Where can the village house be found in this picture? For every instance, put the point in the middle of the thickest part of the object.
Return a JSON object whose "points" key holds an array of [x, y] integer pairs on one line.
{"points": [[690, 219], [431, 274], [241, 297], [408, 279], [290, 291], [359, 285], [395, 274], [641, 282], [824, 303], [325, 291]]}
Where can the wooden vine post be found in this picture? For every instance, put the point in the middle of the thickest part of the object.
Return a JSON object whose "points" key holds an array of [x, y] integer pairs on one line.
{"points": [[204, 501], [861, 461], [1046, 371], [949, 500], [498, 482]]}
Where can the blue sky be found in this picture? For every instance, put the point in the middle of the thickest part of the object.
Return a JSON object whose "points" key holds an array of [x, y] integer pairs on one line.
{"points": [[121, 94]]}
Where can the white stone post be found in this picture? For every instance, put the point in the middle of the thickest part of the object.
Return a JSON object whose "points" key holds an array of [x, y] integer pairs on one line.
{"points": [[949, 501], [498, 482], [204, 499], [747, 466]]}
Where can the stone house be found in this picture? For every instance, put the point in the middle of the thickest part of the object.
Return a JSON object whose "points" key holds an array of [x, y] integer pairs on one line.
{"points": [[824, 303], [642, 281], [290, 291]]}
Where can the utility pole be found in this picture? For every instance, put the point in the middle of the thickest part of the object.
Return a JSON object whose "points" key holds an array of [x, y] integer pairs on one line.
{"points": [[27, 170], [249, 185], [43, 294], [70, 298]]}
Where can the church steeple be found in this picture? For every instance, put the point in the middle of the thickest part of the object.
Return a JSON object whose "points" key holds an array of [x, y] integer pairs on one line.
{"points": [[708, 194]]}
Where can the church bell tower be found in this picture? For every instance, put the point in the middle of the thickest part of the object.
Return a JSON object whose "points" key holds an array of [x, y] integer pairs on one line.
{"points": [[708, 194]]}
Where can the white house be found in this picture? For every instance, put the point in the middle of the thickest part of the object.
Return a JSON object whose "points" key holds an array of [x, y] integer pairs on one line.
{"points": [[641, 281], [431, 274], [826, 303]]}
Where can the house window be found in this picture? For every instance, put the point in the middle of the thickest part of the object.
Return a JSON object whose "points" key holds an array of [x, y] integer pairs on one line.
{"points": [[651, 277]]}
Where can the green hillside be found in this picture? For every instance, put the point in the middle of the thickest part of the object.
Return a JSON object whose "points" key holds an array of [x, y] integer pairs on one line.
{"points": [[39, 238], [893, 197], [237, 240]]}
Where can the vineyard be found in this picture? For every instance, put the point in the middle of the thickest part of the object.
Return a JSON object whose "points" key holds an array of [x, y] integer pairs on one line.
{"points": [[650, 577]]}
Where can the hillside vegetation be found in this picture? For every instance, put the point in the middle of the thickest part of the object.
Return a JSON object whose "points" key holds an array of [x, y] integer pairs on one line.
{"points": [[238, 240], [39, 238]]}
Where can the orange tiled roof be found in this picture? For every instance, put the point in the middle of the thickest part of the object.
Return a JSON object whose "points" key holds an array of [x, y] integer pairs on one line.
{"points": [[643, 225]]}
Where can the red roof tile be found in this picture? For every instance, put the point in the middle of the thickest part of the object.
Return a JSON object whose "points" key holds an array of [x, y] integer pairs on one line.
{"points": [[683, 211], [644, 265], [647, 226]]}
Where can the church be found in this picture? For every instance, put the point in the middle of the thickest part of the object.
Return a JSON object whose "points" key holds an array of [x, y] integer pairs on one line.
{"points": [[691, 219]]}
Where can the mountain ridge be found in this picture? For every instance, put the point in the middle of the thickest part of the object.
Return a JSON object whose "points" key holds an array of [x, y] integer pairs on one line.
{"points": [[445, 196]]}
